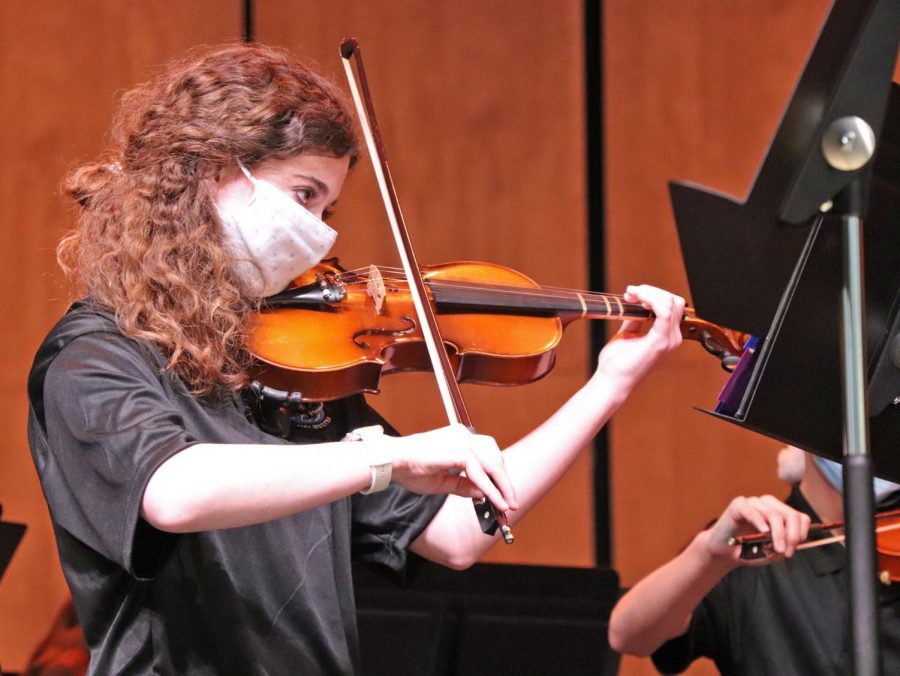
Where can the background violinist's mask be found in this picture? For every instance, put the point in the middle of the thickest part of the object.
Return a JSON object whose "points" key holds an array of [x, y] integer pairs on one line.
{"points": [[792, 464], [272, 237]]}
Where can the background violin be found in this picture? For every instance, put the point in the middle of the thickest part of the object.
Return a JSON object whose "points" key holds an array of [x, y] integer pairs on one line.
{"points": [[758, 546], [335, 332]]}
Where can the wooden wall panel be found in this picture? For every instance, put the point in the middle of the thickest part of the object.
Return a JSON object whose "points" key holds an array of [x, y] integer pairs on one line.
{"points": [[694, 91], [481, 106], [61, 68]]}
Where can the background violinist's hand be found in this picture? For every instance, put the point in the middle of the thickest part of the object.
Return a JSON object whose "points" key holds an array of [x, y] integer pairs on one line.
{"points": [[660, 606], [635, 350], [764, 514], [423, 463]]}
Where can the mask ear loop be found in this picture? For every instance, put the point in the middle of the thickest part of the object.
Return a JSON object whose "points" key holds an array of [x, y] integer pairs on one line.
{"points": [[250, 177]]}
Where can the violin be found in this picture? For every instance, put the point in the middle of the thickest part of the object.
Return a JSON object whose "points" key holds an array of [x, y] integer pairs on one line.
{"points": [[335, 332], [758, 546]]}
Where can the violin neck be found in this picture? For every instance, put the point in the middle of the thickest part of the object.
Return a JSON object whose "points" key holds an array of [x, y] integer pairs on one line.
{"points": [[450, 298], [466, 297]]}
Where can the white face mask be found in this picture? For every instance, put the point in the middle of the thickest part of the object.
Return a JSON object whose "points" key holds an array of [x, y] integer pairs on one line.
{"points": [[273, 238]]}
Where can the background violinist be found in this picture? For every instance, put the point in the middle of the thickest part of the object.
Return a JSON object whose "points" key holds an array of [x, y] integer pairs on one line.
{"points": [[788, 614]]}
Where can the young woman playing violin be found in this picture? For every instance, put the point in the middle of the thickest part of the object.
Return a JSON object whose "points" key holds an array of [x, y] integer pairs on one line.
{"points": [[193, 541], [784, 614]]}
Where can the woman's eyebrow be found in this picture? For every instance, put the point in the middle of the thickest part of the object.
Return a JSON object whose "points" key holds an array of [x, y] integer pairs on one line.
{"points": [[320, 185]]}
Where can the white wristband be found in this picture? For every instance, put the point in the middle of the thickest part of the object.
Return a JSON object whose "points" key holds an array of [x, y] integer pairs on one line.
{"points": [[379, 462]]}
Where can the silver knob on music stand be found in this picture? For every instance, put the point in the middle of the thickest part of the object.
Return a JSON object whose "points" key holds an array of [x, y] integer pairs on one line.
{"points": [[848, 143]]}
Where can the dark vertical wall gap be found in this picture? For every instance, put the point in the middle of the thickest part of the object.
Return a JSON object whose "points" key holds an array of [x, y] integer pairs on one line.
{"points": [[593, 54], [249, 28]]}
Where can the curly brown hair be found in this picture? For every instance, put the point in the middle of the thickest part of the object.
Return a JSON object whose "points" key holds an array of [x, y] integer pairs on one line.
{"points": [[149, 244]]}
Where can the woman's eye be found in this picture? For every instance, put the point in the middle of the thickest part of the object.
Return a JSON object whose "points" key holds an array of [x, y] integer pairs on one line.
{"points": [[304, 195], [327, 213]]}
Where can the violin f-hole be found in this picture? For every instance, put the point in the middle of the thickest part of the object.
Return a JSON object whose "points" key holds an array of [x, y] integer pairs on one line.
{"points": [[410, 328]]}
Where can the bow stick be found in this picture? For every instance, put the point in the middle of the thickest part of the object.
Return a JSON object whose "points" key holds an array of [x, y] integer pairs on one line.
{"points": [[488, 516]]}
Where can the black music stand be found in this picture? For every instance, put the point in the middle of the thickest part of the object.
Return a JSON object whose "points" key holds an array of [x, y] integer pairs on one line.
{"points": [[498, 619], [772, 266]]}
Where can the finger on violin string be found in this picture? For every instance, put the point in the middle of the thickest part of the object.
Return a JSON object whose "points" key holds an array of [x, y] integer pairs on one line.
{"points": [[631, 295], [649, 297], [666, 308]]}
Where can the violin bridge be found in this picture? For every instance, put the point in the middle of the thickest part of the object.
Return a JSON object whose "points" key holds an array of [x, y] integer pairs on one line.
{"points": [[375, 288]]}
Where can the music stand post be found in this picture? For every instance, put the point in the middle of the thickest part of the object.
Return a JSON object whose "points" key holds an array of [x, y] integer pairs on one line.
{"points": [[859, 499]]}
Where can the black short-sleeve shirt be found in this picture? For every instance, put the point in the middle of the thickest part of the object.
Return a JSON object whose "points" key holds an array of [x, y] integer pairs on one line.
{"points": [[274, 598], [790, 618]]}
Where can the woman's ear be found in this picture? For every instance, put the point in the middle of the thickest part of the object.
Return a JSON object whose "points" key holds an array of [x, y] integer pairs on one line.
{"points": [[212, 185], [228, 183]]}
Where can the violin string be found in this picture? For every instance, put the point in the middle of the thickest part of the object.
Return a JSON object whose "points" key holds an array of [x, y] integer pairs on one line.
{"points": [[362, 275], [537, 294], [577, 300]]}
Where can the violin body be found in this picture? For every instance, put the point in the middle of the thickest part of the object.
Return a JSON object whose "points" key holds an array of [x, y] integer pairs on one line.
{"points": [[887, 545], [335, 332], [329, 349]]}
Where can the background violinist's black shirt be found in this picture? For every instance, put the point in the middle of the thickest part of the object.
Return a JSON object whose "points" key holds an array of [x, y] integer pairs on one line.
{"points": [[275, 598], [790, 618]]}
